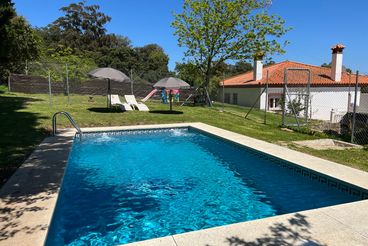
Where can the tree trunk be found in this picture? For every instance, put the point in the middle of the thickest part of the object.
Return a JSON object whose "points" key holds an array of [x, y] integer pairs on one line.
{"points": [[206, 84]]}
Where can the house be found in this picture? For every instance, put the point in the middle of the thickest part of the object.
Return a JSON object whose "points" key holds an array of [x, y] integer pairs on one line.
{"points": [[331, 89]]}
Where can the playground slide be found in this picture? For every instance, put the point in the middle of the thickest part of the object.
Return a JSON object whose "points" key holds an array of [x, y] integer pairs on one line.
{"points": [[149, 95]]}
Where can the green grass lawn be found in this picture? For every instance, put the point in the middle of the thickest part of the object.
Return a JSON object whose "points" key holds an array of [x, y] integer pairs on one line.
{"points": [[26, 120]]}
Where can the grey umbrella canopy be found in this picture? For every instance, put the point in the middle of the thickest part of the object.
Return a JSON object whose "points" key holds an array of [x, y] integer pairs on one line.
{"points": [[109, 74], [171, 83]]}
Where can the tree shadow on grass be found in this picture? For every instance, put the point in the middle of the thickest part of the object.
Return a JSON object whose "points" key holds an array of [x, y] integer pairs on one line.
{"points": [[296, 231], [19, 133], [165, 112], [106, 110]]}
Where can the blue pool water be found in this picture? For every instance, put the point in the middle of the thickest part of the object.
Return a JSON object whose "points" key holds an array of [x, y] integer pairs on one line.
{"points": [[137, 185]]}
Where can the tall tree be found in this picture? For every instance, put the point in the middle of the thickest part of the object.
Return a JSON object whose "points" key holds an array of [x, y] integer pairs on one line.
{"points": [[7, 13], [82, 27], [18, 41], [120, 55], [189, 72], [152, 62], [241, 67], [80, 35], [214, 31]]}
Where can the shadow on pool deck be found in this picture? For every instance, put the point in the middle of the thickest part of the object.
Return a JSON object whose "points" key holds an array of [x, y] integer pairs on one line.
{"points": [[25, 200], [294, 232]]}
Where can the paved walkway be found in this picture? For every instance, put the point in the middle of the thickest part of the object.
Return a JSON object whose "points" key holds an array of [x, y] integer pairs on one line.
{"points": [[28, 199]]}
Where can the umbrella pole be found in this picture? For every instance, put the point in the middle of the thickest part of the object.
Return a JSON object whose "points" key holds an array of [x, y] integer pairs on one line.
{"points": [[108, 94]]}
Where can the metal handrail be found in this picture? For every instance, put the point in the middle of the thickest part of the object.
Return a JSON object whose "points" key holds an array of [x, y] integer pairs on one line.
{"points": [[70, 118]]}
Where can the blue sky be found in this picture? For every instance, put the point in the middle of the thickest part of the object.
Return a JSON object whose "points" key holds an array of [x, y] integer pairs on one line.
{"points": [[317, 25]]}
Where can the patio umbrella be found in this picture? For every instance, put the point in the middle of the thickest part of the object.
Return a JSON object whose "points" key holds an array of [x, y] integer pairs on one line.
{"points": [[171, 83], [109, 74]]}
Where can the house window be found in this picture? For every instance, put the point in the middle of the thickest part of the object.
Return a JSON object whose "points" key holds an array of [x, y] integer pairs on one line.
{"points": [[274, 103], [235, 98], [227, 97]]}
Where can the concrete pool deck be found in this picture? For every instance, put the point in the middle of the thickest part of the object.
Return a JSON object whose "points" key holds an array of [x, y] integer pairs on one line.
{"points": [[28, 199]]}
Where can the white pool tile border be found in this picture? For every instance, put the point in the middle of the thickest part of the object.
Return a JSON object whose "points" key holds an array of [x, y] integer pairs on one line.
{"points": [[349, 219]]}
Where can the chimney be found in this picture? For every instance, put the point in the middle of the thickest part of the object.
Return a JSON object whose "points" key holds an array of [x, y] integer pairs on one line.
{"points": [[336, 64], [257, 67]]}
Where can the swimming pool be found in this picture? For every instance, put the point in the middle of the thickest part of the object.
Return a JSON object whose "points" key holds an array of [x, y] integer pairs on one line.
{"points": [[129, 186]]}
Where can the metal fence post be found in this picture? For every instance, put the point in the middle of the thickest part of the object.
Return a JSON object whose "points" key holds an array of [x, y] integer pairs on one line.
{"points": [[307, 97], [349, 94], [131, 82], [284, 99], [9, 88], [354, 109], [50, 95], [223, 94], [266, 101], [67, 82], [26, 67]]}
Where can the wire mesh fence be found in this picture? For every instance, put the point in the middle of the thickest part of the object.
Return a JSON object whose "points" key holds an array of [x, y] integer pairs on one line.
{"points": [[342, 110], [295, 97], [70, 80], [64, 78], [303, 97]]}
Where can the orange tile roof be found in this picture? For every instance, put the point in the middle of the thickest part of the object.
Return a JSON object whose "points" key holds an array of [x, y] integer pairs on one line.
{"points": [[320, 76]]}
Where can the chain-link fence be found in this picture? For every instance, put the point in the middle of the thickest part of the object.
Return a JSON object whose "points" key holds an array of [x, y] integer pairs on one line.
{"points": [[69, 79], [304, 97], [340, 108], [295, 97]]}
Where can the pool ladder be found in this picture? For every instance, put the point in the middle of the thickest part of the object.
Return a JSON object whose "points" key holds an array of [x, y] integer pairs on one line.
{"points": [[70, 118]]}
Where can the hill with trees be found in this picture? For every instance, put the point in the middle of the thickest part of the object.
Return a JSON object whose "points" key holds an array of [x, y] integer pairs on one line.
{"points": [[78, 38]]}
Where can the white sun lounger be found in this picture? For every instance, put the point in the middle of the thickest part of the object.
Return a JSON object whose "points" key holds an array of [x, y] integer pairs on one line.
{"points": [[115, 101], [134, 104]]}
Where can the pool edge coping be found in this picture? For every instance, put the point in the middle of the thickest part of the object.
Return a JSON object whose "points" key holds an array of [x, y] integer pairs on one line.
{"points": [[343, 172]]}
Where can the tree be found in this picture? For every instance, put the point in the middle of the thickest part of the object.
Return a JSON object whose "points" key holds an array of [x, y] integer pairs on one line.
{"points": [[18, 41], [55, 60], [82, 27], [295, 106], [188, 72], [238, 68], [152, 62], [80, 36], [214, 31], [344, 68], [7, 12], [116, 52]]}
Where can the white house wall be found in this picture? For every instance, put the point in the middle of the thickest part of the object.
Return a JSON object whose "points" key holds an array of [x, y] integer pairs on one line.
{"points": [[323, 100], [363, 106], [326, 99], [246, 96]]}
